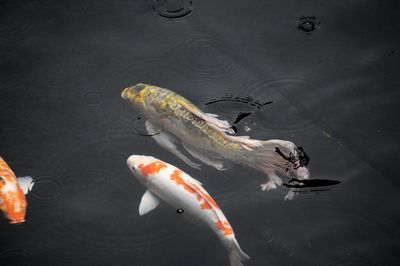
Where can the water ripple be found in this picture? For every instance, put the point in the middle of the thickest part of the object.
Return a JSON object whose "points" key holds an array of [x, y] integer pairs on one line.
{"points": [[173, 9], [294, 108], [203, 58], [16, 256], [11, 24], [46, 188]]}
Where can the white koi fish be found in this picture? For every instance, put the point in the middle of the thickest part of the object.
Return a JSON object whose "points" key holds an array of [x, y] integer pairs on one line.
{"points": [[170, 184], [170, 116]]}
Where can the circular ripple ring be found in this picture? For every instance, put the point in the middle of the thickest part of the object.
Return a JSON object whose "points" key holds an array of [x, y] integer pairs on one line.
{"points": [[172, 9], [308, 24], [46, 188]]}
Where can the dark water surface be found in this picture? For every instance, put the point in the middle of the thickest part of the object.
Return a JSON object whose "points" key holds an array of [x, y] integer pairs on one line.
{"points": [[322, 74]]}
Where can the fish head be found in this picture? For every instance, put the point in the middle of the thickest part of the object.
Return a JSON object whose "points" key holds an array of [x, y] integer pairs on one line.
{"points": [[134, 94], [12, 200], [294, 160], [144, 167]]}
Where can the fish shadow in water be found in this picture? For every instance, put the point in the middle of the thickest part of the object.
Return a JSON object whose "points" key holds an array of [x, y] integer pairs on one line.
{"points": [[307, 183], [315, 185]]}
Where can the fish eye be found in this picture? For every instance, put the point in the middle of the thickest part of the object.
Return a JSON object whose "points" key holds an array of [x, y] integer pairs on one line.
{"points": [[2, 180]]}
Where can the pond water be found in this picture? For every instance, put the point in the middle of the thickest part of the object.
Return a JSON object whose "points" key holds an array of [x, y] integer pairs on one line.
{"points": [[324, 75]]}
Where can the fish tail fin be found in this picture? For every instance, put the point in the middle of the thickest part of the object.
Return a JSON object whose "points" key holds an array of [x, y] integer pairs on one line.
{"points": [[273, 157], [236, 254], [261, 155]]}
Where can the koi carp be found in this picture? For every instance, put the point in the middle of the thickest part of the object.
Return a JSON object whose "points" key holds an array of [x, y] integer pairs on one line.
{"points": [[170, 116], [170, 184], [12, 193]]}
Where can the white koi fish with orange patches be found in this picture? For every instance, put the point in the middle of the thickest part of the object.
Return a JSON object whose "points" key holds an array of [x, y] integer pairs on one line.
{"points": [[12, 193], [167, 182]]}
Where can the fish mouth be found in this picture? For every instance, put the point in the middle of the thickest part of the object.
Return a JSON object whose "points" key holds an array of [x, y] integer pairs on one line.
{"points": [[124, 94], [132, 91], [17, 221]]}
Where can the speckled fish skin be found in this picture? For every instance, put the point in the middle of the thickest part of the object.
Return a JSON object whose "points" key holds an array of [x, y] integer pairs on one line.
{"points": [[164, 107], [12, 198], [207, 134], [181, 191]]}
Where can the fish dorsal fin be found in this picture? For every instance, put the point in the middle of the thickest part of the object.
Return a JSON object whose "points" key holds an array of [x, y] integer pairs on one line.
{"points": [[26, 183], [212, 115], [218, 123], [195, 181], [201, 192], [148, 203], [190, 181], [210, 119]]}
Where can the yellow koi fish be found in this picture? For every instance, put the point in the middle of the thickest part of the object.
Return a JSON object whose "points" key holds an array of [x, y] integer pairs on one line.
{"points": [[206, 137]]}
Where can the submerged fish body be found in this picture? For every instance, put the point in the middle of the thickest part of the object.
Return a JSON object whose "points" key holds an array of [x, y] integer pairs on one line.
{"points": [[178, 115], [12, 194], [205, 136], [170, 184]]}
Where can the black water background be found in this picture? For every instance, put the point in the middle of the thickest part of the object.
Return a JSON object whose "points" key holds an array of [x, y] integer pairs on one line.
{"points": [[334, 92]]}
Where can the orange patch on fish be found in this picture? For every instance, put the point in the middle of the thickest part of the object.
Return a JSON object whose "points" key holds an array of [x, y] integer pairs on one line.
{"points": [[176, 177], [13, 202], [205, 205], [152, 168], [225, 227], [6, 172], [14, 206], [206, 196], [208, 202]]}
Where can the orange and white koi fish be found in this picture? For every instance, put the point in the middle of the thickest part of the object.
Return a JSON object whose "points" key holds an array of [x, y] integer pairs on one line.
{"points": [[12, 193], [167, 182], [204, 136]]}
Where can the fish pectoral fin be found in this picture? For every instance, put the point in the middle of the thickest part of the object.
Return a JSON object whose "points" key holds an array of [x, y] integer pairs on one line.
{"points": [[205, 158], [148, 203], [26, 183], [152, 129], [167, 141]]}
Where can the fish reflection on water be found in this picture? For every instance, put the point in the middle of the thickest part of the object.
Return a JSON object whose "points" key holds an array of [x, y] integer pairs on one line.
{"points": [[209, 139], [170, 184]]}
